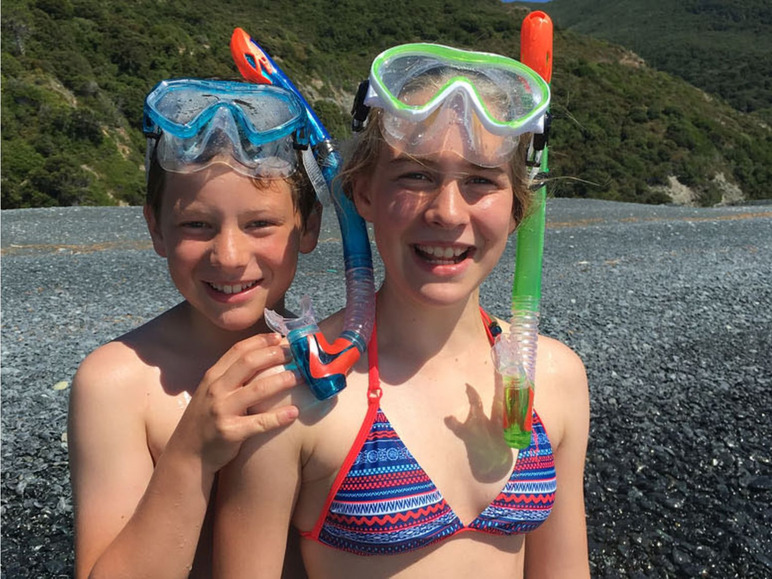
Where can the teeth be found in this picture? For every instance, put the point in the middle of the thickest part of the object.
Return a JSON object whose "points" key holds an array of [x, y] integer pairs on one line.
{"points": [[441, 252], [232, 289]]}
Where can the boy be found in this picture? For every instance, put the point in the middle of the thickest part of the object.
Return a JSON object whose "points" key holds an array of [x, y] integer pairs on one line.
{"points": [[157, 412]]}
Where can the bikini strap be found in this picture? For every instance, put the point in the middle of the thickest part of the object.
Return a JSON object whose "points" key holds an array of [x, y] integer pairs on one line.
{"points": [[492, 327], [374, 390]]}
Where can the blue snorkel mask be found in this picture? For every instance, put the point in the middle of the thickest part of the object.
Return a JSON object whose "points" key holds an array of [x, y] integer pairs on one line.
{"points": [[254, 129]]}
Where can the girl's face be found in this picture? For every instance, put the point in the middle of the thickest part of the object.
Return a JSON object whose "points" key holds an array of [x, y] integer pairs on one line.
{"points": [[231, 247], [441, 223]]}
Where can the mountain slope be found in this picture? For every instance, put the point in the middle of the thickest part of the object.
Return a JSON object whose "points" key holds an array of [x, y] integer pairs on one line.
{"points": [[721, 46], [75, 73]]}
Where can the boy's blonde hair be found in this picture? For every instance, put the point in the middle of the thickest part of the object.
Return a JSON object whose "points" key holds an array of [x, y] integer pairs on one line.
{"points": [[303, 192]]}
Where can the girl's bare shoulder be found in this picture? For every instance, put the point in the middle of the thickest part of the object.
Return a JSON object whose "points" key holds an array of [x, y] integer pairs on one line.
{"points": [[562, 392], [558, 358]]}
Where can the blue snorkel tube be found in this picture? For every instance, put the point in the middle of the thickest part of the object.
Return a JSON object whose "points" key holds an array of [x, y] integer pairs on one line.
{"points": [[324, 365]]}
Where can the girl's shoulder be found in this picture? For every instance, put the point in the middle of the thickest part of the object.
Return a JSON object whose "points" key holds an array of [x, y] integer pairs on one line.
{"points": [[562, 393], [559, 359]]}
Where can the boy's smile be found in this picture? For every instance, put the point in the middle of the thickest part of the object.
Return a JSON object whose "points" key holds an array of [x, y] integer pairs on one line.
{"points": [[231, 244]]}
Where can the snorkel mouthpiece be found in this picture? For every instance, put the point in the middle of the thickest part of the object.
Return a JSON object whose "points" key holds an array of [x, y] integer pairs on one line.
{"points": [[324, 365], [328, 363]]}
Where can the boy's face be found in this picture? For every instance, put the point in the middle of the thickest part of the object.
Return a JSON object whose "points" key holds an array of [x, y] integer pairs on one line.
{"points": [[231, 247]]}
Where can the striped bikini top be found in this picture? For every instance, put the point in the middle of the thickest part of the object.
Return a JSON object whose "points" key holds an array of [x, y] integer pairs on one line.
{"points": [[383, 503]]}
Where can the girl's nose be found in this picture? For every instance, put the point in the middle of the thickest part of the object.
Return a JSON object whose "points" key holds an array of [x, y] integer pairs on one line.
{"points": [[447, 209]]}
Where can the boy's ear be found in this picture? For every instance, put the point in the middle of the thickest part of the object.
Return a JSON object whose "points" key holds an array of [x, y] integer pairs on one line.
{"points": [[155, 230], [363, 198], [310, 234]]}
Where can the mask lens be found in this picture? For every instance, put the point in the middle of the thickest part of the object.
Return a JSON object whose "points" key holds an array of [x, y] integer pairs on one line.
{"points": [[484, 100], [248, 127], [453, 127], [184, 106]]}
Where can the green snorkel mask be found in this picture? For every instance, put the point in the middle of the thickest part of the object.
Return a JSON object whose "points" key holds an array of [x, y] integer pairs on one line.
{"points": [[425, 88]]}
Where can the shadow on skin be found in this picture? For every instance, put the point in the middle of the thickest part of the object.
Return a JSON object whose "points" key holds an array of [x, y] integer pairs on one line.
{"points": [[312, 410], [489, 455]]}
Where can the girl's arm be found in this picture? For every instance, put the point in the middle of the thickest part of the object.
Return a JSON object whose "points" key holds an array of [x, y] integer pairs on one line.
{"points": [[134, 520], [558, 548], [256, 494]]}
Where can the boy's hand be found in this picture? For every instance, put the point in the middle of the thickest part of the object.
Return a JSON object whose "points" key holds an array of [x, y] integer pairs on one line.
{"points": [[217, 421]]}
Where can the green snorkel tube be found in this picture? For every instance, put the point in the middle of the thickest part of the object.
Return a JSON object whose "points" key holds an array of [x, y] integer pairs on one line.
{"points": [[515, 353]]}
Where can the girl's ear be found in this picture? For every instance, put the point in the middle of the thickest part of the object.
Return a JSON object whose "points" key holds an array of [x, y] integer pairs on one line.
{"points": [[363, 198], [513, 223], [155, 230], [310, 234]]}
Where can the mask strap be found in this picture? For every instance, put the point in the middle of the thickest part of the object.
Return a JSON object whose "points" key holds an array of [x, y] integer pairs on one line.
{"points": [[151, 145], [316, 177], [536, 148], [360, 110]]}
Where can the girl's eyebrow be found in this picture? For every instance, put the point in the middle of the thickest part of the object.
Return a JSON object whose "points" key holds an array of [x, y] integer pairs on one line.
{"points": [[405, 159], [430, 164]]}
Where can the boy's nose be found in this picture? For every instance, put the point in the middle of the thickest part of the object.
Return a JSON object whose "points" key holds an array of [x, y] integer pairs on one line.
{"points": [[447, 209], [230, 249]]}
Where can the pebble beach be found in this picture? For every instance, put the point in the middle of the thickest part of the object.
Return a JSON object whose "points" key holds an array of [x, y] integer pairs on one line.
{"points": [[669, 307]]}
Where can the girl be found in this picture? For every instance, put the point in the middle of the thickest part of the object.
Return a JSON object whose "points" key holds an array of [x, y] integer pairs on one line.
{"points": [[406, 472]]}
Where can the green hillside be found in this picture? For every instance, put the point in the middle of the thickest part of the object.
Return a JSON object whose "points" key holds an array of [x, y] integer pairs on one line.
{"points": [[721, 46], [75, 72]]}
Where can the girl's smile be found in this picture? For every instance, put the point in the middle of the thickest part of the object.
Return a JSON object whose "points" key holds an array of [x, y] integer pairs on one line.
{"points": [[440, 222]]}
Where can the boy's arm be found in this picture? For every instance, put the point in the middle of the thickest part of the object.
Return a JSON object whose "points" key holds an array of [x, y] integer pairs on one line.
{"points": [[136, 521], [558, 548]]}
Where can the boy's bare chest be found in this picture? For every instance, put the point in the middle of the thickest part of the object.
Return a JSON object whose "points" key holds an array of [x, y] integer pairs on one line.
{"points": [[163, 413], [168, 390]]}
